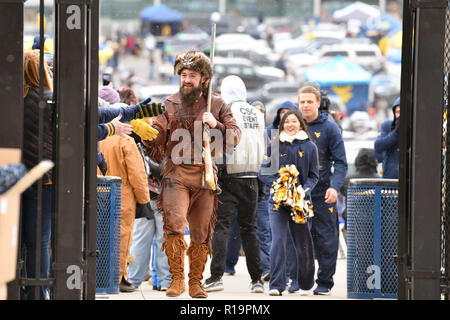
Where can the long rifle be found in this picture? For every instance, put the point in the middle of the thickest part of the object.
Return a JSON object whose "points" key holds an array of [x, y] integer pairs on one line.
{"points": [[209, 174]]}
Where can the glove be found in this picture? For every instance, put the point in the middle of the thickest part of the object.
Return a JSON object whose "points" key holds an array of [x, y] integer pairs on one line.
{"points": [[101, 163], [147, 109], [143, 129], [397, 125], [144, 211]]}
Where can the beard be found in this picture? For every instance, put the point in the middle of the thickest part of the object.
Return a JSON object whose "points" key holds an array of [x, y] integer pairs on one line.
{"points": [[190, 95]]}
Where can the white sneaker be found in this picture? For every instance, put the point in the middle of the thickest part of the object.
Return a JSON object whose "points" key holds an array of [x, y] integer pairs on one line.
{"points": [[274, 292], [305, 292]]}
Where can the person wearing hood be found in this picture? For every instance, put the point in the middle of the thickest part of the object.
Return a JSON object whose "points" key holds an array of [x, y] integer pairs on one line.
{"points": [[366, 167], [332, 171], [297, 149], [239, 183], [387, 143]]}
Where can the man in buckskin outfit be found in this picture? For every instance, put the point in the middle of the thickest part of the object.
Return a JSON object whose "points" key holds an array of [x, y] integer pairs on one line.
{"points": [[185, 199]]}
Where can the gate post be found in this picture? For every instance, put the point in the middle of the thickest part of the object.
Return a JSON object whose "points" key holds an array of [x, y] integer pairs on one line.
{"points": [[70, 57]]}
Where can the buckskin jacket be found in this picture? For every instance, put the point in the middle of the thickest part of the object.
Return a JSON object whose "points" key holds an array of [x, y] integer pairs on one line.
{"points": [[175, 125]]}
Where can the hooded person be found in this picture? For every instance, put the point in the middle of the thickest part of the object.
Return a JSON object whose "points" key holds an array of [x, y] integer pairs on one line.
{"points": [[184, 200], [387, 143], [239, 184], [281, 110]]}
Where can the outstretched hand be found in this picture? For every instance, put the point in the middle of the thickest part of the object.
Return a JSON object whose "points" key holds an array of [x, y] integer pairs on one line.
{"points": [[120, 128]]}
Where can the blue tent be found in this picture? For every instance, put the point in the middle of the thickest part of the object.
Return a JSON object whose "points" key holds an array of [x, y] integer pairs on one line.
{"points": [[347, 80], [161, 14]]}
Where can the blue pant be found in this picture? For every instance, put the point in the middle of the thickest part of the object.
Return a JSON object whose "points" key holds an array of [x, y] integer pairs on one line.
{"points": [[280, 223], [141, 247], [29, 217], [264, 233], [325, 233]]}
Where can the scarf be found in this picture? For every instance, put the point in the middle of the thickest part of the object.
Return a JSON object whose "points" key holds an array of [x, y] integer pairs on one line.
{"points": [[301, 135]]}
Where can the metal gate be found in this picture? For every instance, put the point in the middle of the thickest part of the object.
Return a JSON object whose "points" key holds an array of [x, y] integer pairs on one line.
{"points": [[75, 102], [424, 186]]}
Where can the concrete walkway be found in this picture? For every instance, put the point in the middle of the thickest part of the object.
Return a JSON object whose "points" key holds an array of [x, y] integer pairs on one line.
{"points": [[236, 287]]}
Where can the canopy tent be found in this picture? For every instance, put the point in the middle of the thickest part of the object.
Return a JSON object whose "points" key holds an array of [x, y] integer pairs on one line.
{"points": [[356, 11], [161, 20], [161, 14], [347, 80]]}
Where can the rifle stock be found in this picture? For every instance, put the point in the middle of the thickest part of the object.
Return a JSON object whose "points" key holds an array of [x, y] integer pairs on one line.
{"points": [[209, 174]]}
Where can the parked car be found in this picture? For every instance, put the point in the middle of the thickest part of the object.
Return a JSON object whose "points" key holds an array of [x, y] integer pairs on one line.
{"points": [[277, 89], [240, 67], [157, 92], [367, 55]]}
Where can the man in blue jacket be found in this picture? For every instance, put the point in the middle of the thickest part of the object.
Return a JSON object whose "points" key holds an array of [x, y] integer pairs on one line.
{"points": [[325, 227], [387, 143]]}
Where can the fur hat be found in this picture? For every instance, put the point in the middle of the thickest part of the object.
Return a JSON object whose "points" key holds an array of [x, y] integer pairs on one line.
{"points": [[194, 60]]}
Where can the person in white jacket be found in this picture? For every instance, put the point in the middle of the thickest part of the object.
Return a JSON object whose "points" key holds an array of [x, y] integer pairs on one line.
{"points": [[238, 179]]}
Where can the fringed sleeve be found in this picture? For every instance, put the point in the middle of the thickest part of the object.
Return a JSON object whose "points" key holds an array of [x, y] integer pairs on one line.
{"points": [[157, 146]]}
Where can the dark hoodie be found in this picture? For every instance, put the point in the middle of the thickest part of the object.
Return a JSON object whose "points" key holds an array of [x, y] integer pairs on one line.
{"points": [[387, 146], [276, 121], [327, 136], [366, 167]]}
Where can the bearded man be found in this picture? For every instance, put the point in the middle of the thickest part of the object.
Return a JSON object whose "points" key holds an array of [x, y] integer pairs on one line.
{"points": [[185, 199]]}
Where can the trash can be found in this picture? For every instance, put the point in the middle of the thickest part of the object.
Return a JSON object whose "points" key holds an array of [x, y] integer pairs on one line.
{"points": [[372, 238], [108, 234]]}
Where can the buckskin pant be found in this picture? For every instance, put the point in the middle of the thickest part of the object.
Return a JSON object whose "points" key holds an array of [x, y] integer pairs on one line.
{"points": [[186, 204]]}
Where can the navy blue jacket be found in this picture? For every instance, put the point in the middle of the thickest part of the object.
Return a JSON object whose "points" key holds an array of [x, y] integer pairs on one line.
{"points": [[387, 146], [303, 154], [328, 138], [106, 114]]}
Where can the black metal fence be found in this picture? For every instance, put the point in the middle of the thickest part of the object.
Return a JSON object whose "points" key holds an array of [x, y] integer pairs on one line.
{"points": [[424, 190], [75, 104]]}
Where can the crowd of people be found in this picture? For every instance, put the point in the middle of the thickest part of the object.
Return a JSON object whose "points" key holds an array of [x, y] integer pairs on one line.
{"points": [[158, 150]]}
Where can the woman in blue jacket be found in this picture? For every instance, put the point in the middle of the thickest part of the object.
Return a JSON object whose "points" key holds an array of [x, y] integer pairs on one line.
{"points": [[295, 147]]}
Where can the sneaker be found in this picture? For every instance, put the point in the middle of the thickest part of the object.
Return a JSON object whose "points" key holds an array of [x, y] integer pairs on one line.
{"points": [[320, 290], [212, 284], [257, 286], [163, 288], [147, 275], [266, 277], [304, 292], [274, 292]]}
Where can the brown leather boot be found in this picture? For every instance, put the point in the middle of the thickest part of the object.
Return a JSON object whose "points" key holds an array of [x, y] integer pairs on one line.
{"points": [[198, 254], [175, 247]]}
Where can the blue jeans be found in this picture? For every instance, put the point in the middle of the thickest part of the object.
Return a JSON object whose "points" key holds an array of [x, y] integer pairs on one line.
{"points": [[281, 222], [29, 221], [141, 247]]}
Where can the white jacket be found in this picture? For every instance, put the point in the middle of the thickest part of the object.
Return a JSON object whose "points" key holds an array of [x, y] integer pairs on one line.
{"points": [[249, 153]]}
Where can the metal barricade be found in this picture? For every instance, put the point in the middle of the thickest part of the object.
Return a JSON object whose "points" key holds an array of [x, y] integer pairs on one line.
{"points": [[372, 238], [108, 234]]}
